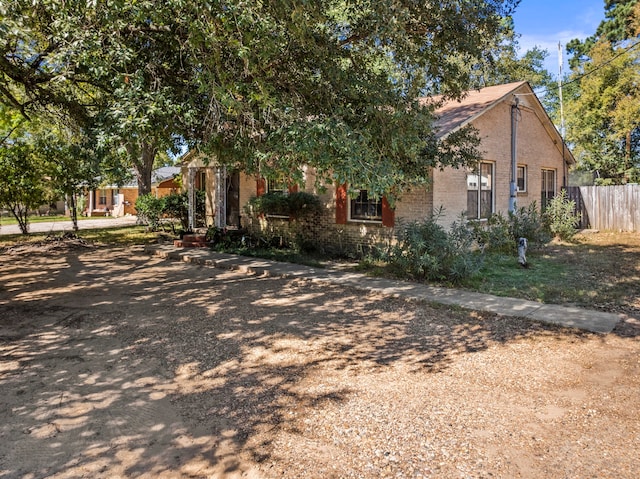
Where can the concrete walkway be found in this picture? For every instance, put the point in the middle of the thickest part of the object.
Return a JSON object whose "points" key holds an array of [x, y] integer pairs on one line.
{"points": [[56, 226], [595, 321]]}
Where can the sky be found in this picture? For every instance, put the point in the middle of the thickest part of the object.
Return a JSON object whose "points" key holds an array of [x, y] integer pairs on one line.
{"points": [[544, 23]]}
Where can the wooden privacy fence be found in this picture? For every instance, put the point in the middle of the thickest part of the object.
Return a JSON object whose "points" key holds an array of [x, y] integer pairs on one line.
{"points": [[614, 208]]}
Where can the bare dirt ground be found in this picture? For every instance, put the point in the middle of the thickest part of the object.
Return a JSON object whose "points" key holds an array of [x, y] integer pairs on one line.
{"points": [[116, 364]]}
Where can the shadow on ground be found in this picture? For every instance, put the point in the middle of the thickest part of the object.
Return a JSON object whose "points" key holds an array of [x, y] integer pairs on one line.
{"points": [[117, 363]]}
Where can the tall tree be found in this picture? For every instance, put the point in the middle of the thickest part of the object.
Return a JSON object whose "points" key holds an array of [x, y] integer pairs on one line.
{"points": [[267, 86], [508, 64], [603, 105], [603, 116], [620, 23], [109, 68]]}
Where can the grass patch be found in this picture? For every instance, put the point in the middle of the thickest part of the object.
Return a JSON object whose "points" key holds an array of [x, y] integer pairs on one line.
{"points": [[595, 271], [124, 236], [10, 220], [542, 281]]}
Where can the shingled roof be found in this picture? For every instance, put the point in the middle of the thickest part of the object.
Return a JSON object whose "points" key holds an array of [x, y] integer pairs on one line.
{"points": [[454, 114]]}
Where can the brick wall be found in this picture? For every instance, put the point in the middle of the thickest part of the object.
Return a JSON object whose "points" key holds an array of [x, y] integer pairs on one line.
{"points": [[535, 150]]}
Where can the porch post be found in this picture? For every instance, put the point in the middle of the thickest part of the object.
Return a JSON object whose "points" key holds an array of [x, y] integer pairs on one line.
{"points": [[221, 197], [191, 189], [91, 193]]}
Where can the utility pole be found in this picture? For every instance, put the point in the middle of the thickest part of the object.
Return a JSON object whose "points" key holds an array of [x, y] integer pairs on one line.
{"points": [[560, 60], [562, 132], [513, 184]]}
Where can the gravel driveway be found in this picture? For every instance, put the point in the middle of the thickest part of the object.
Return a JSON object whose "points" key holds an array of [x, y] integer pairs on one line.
{"points": [[117, 364]]}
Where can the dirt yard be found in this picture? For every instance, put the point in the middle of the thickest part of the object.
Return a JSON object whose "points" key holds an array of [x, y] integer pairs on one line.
{"points": [[114, 364]]}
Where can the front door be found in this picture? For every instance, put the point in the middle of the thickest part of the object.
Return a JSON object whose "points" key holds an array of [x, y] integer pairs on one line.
{"points": [[233, 199]]}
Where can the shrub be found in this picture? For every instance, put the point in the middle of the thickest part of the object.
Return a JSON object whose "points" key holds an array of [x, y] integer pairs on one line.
{"points": [[528, 223], [426, 251], [295, 230], [299, 205], [149, 209], [303, 205], [493, 234], [561, 217], [176, 205]]}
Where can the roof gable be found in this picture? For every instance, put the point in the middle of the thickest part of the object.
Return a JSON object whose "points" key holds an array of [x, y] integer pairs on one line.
{"points": [[453, 114]]}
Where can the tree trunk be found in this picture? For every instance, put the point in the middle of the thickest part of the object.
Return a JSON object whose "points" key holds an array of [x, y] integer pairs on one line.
{"points": [[144, 167], [73, 211], [22, 216]]}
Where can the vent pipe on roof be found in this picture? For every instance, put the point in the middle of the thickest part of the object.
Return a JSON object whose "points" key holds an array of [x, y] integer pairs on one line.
{"points": [[513, 188]]}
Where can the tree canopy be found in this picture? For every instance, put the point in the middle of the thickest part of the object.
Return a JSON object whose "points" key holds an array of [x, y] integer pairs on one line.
{"points": [[603, 105], [265, 86]]}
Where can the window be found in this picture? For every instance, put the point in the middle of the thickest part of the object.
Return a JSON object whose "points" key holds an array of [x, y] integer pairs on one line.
{"points": [[548, 186], [480, 191], [276, 186], [521, 182], [102, 197], [202, 181], [365, 208]]}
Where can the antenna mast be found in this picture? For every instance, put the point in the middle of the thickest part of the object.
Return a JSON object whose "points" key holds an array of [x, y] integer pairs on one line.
{"points": [[560, 61]]}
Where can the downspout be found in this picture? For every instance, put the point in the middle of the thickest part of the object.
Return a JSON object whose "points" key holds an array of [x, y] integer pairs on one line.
{"points": [[564, 169], [513, 189]]}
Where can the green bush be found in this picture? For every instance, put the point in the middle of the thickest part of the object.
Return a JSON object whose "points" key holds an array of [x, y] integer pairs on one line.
{"points": [[295, 230], [528, 223], [176, 205], [303, 205], [425, 251], [493, 234], [298, 205], [149, 209], [561, 217]]}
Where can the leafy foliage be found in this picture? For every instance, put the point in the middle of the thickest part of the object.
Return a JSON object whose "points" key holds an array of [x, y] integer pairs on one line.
{"points": [[298, 210], [603, 116], [22, 187], [149, 210], [425, 251], [603, 111], [494, 234], [561, 217], [527, 222], [263, 86], [176, 205], [298, 206]]}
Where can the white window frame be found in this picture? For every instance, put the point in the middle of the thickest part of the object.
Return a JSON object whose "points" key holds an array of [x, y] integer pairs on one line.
{"points": [[477, 172], [543, 180], [522, 168]]}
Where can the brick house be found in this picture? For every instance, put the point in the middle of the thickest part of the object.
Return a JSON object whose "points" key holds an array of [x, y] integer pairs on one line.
{"points": [[120, 200], [513, 127]]}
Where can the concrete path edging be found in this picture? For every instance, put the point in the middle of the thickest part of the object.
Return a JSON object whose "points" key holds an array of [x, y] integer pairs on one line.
{"points": [[572, 317]]}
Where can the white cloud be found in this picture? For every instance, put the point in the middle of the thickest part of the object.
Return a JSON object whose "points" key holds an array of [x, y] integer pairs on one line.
{"points": [[550, 44]]}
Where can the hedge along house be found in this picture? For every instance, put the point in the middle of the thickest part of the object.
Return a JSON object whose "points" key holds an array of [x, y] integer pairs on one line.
{"points": [[514, 130]]}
